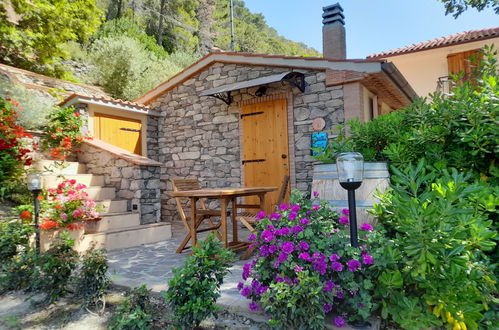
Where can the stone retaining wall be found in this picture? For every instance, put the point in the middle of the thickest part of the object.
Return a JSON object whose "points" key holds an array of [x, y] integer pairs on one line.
{"points": [[200, 136], [136, 182]]}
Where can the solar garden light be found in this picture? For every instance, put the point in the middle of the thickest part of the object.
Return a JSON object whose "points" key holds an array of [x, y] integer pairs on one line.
{"points": [[34, 182], [350, 167]]}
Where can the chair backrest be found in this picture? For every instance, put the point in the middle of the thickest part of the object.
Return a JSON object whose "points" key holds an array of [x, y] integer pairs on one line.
{"points": [[181, 185], [283, 191]]}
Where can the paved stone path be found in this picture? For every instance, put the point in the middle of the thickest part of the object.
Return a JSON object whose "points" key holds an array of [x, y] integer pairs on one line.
{"points": [[152, 264]]}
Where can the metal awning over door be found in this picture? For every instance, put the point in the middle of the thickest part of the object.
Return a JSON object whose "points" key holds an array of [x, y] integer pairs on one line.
{"points": [[224, 92]]}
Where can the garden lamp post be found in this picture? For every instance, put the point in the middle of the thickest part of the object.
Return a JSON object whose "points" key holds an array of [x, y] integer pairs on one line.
{"points": [[350, 167], [34, 182]]}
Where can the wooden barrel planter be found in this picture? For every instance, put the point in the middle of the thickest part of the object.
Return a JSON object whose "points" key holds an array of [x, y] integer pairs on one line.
{"points": [[325, 183]]}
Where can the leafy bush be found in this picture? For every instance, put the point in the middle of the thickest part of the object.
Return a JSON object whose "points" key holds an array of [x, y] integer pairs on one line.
{"points": [[437, 268], [129, 27], [194, 289], [135, 312], [125, 68], [457, 130], [14, 239], [55, 268], [307, 238], [295, 305], [63, 132], [14, 150], [92, 279], [36, 105]]}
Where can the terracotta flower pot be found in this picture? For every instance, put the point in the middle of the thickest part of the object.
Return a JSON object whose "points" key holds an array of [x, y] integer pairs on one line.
{"points": [[92, 225]]}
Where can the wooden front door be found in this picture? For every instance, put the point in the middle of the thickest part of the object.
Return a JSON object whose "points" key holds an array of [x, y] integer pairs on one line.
{"points": [[265, 146], [122, 132]]}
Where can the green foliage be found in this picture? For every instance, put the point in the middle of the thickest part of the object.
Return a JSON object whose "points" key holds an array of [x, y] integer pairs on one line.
{"points": [[310, 238], [36, 105], [125, 69], [128, 27], [194, 289], [135, 312], [62, 132], [457, 130], [20, 273], [440, 229], [252, 34], [296, 306], [92, 280], [457, 7], [14, 239], [55, 268], [32, 33], [14, 147]]}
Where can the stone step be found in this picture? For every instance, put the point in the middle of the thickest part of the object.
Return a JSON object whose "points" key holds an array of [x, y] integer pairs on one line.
{"points": [[51, 181], [54, 167], [127, 237], [113, 221], [101, 193], [113, 206]]}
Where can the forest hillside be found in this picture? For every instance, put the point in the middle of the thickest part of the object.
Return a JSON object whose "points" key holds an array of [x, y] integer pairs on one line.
{"points": [[128, 46]]}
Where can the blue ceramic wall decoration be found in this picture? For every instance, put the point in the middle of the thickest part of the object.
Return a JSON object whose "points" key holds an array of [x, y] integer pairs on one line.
{"points": [[319, 140]]}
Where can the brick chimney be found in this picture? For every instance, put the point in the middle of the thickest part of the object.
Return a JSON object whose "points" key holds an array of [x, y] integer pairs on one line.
{"points": [[333, 33]]}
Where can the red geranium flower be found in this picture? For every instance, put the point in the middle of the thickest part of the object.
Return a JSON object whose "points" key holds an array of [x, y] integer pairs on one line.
{"points": [[26, 215]]}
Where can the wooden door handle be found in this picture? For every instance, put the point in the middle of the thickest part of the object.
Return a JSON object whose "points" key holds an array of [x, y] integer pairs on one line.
{"points": [[284, 156]]}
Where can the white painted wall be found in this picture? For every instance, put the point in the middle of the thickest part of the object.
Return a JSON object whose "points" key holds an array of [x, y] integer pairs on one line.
{"points": [[422, 69]]}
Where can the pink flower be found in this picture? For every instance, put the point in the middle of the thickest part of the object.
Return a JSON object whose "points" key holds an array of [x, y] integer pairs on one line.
{"points": [[316, 194], [339, 322], [366, 226], [261, 215], [254, 306], [344, 221], [64, 216], [345, 211], [78, 213], [353, 265], [334, 257], [367, 259], [316, 207], [80, 186], [283, 207]]}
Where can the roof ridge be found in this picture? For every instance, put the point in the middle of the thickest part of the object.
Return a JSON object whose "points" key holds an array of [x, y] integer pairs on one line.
{"points": [[451, 39]]}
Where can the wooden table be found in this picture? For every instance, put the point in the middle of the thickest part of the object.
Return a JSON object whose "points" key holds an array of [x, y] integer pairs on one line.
{"points": [[226, 196]]}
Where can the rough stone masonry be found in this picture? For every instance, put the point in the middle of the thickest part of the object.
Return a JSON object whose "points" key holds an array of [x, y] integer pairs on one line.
{"points": [[200, 136]]}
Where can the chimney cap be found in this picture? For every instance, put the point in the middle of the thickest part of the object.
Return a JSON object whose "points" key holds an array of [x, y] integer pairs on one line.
{"points": [[333, 14], [331, 7]]}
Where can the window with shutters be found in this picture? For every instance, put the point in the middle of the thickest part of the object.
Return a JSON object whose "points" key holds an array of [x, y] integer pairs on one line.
{"points": [[465, 63]]}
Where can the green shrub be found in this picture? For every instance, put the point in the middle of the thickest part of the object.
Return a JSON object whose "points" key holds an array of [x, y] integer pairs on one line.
{"points": [[92, 279], [440, 230], [297, 305], [309, 237], [14, 239], [36, 105], [55, 268], [135, 312], [129, 27], [456, 130], [194, 289], [125, 68], [21, 272]]}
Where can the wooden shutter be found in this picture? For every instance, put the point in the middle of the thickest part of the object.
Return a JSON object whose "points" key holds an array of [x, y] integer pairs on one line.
{"points": [[464, 62]]}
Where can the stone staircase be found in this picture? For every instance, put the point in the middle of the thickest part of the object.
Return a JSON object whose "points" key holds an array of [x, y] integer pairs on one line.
{"points": [[120, 226]]}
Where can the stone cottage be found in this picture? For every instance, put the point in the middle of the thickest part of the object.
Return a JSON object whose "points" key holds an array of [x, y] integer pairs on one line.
{"points": [[237, 119]]}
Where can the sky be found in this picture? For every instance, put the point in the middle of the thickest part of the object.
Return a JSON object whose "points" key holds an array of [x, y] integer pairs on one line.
{"points": [[371, 25]]}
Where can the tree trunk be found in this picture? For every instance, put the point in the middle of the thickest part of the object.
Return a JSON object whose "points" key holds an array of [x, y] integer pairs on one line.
{"points": [[204, 15], [160, 25]]}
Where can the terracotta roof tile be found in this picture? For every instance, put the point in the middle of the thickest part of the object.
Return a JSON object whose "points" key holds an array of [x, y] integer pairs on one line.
{"points": [[105, 99], [453, 39]]}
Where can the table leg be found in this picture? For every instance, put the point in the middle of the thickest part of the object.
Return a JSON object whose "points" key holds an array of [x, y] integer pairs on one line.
{"points": [[223, 209], [234, 220], [193, 221], [263, 205]]}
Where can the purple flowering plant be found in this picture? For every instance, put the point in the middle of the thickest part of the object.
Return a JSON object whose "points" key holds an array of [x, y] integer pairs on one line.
{"points": [[307, 243]]}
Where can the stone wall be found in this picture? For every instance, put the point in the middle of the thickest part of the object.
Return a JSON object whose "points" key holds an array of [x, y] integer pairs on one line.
{"points": [[200, 136], [138, 183]]}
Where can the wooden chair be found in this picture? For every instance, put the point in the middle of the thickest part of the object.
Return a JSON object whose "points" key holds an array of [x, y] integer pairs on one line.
{"points": [[248, 219], [203, 212]]}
